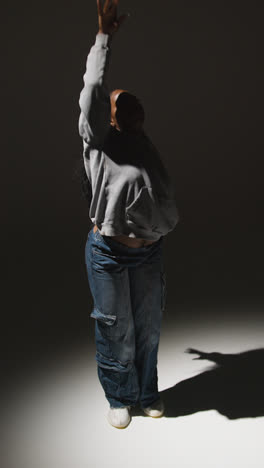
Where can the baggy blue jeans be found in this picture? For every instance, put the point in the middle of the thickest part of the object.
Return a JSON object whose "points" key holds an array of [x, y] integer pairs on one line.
{"points": [[128, 287]]}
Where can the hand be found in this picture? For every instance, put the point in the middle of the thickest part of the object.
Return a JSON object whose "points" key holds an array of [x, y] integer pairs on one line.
{"points": [[108, 21], [195, 351]]}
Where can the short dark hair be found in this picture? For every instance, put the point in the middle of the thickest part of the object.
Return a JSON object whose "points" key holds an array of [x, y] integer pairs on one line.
{"points": [[129, 111]]}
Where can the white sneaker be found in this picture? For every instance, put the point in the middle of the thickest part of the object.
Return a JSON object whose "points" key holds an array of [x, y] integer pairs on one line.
{"points": [[119, 417], [155, 410]]}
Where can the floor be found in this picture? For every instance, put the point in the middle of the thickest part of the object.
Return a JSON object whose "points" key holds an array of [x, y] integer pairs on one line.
{"points": [[214, 413]]}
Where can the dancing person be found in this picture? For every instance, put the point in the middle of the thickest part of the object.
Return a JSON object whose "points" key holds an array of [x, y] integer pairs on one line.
{"points": [[132, 208]]}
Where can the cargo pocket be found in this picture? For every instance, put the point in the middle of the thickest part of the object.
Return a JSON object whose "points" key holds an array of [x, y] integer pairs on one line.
{"points": [[107, 323], [163, 291]]}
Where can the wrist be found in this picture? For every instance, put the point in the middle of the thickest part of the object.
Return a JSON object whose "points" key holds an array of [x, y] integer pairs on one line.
{"points": [[104, 31]]}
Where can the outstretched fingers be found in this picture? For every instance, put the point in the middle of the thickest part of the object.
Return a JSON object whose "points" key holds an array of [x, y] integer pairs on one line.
{"points": [[109, 23], [195, 351], [109, 4], [121, 19], [99, 8]]}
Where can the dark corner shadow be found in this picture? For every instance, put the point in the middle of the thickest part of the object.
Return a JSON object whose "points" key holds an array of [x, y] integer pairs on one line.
{"points": [[234, 387]]}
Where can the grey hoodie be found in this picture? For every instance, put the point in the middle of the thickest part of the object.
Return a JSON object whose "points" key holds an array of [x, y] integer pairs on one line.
{"points": [[132, 193]]}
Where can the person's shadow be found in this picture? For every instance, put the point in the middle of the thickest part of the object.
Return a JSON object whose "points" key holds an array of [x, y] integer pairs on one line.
{"points": [[234, 387]]}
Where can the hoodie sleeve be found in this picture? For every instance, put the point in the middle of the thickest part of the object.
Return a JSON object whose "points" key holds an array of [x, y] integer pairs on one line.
{"points": [[94, 120]]}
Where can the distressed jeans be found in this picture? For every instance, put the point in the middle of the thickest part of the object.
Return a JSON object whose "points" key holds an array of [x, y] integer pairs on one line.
{"points": [[128, 287]]}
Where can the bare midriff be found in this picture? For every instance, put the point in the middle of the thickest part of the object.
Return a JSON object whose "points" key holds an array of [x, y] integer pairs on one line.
{"points": [[130, 241]]}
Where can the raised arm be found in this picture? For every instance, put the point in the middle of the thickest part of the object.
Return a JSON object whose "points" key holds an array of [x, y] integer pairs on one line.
{"points": [[94, 99]]}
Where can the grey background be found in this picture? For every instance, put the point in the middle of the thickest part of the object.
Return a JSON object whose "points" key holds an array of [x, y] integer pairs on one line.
{"points": [[198, 73]]}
